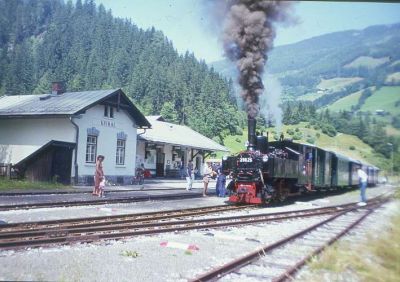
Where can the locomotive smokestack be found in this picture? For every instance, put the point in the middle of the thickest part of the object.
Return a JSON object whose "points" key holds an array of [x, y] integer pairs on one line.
{"points": [[252, 138]]}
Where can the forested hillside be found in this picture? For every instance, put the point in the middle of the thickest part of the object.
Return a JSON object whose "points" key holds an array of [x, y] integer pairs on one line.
{"points": [[85, 46]]}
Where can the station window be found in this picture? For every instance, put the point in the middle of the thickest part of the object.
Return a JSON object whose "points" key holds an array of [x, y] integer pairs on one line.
{"points": [[120, 155], [91, 148], [108, 111]]}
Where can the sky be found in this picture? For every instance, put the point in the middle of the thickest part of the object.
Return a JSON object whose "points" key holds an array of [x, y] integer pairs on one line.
{"points": [[187, 22]]}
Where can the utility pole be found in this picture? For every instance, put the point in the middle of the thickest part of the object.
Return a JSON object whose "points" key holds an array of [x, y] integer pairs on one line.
{"points": [[391, 154]]}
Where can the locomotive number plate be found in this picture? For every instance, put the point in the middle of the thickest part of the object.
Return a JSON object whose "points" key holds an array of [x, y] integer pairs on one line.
{"points": [[245, 160]]}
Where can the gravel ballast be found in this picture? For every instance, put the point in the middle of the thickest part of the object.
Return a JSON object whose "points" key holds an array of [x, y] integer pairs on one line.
{"points": [[109, 260], [151, 206]]}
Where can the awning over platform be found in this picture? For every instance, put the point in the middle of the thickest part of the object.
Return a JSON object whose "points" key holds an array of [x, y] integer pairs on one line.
{"points": [[178, 135]]}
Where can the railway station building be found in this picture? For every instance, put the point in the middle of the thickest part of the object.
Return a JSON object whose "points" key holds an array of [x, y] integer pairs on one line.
{"points": [[167, 147], [57, 136]]}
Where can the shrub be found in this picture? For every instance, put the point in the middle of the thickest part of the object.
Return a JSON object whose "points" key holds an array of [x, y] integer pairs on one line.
{"points": [[352, 148], [318, 135], [297, 136], [297, 129], [238, 140], [290, 131], [239, 130], [329, 130], [310, 140]]}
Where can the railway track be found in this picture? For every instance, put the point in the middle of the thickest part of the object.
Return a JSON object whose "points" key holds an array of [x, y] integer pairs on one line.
{"points": [[115, 219], [89, 192], [86, 230], [279, 261], [100, 201]]}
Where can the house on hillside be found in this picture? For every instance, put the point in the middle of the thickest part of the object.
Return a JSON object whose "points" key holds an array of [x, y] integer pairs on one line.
{"points": [[166, 147], [57, 136]]}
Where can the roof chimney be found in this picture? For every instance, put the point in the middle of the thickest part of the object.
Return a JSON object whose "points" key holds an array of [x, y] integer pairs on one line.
{"points": [[57, 87]]}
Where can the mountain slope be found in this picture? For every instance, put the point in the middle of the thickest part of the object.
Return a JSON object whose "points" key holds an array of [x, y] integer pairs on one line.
{"points": [[371, 54]]}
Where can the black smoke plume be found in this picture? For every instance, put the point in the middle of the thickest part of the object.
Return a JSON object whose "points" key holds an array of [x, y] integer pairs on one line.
{"points": [[248, 35]]}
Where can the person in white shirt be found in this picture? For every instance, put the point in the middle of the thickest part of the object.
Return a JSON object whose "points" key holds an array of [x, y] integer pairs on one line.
{"points": [[207, 174], [362, 177]]}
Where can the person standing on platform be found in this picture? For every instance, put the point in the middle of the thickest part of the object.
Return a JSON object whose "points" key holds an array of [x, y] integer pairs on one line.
{"points": [[189, 175], [140, 175], [363, 177], [207, 174], [221, 182], [98, 175], [181, 169]]}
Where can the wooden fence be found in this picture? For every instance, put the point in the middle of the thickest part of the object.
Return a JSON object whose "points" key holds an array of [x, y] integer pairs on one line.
{"points": [[5, 170]]}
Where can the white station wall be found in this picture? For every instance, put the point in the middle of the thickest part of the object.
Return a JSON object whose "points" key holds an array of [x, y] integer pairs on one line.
{"points": [[107, 141], [21, 137]]}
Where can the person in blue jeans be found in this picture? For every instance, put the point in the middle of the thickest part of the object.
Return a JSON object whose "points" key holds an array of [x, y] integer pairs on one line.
{"points": [[221, 182], [363, 178]]}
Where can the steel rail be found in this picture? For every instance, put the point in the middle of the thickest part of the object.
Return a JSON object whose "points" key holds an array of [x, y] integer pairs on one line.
{"points": [[155, 223], [255, 255], [87, 235], [99, 202], [114, 219], [58, 235], [292, 270], [16, 194], [127, 218], [157, 214]]}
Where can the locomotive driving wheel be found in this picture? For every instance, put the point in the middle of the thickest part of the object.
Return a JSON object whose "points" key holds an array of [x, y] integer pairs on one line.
{"points": [[282, 190]]}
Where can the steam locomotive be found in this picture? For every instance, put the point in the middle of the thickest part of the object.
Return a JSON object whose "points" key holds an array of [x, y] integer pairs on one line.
{"points": [[273, 171]]}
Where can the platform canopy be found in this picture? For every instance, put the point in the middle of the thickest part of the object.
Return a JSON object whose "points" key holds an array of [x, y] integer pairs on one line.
{"points": [[178, 135]]}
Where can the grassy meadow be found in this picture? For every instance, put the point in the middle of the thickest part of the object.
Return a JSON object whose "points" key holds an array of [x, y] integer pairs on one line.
{"points": [[336, 84], [368, 62], [383, 99], [345, 103]]}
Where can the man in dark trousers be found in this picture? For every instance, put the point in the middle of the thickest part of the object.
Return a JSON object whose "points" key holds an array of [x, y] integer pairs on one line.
{"points": [[221, 182], [189, 173]]}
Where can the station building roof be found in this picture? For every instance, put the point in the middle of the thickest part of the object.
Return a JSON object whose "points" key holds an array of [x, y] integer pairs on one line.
{"points": [[66, 104], [178, 135]]}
